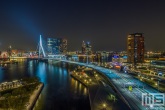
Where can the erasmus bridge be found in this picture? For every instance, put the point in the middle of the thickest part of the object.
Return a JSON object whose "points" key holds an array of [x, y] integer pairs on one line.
{"points": [[42, 53]]}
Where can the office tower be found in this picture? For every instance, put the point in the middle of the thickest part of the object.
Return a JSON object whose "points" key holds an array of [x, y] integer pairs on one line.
{"points": [[56, 46], [135, 48], [63, 48], [9, 51], [52, 47], [88, 48], [83, 47]]}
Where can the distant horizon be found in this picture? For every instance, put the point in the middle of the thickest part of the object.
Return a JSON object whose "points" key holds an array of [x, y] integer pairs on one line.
{"points": [[80, 50], [45, 38]]}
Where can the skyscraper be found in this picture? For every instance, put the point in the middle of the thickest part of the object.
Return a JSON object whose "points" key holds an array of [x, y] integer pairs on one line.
{"points": [[86, 48], [63, 46], [56, 46], [135, 48], [83, 48]]}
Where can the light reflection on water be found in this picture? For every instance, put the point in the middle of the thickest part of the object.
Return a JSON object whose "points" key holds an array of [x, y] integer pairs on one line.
{"points": [[59, 88], [41, 72], [85, 91]]}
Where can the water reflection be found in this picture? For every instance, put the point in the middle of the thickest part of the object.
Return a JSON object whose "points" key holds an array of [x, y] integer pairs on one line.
{"points": [[76, 85], [85, 91], [1, 76], [59, 88], [80, 87], [41, 72]]}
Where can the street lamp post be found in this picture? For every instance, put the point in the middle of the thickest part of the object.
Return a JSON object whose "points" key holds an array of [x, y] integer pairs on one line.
{"points": [[104, 106], [158, 79], [87, 58]]}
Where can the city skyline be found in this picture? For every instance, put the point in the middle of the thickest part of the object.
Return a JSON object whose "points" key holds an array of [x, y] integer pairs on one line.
{"points": [[105, 24], [82, 55]]}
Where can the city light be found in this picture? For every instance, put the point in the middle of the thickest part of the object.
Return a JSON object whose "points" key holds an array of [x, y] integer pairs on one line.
{"points": [[104, 105], [90, 55]]}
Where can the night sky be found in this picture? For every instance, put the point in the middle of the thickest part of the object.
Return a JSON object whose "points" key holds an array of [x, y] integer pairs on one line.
{"points": [[105, 23]]}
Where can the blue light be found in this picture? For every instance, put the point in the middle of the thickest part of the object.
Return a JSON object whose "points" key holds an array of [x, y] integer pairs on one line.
{"points": [[125, 57], [42, 46], [23, 20], [160, 73], [41, 72], [115, 56]]}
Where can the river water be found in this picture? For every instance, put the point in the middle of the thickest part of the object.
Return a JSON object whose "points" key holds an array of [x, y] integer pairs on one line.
{"points": [[61, 92]]}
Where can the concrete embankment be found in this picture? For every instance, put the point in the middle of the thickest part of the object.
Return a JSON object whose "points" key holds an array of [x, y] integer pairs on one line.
{"points": [[33, 98], [78, 79], [83, 83], [115, 89], [98, 89], [92, 88]]}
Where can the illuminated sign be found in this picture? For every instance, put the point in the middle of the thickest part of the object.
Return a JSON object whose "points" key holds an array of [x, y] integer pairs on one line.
{"points": [[117, 66]]}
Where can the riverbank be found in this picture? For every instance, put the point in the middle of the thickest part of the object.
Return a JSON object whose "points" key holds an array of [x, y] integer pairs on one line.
{"points": [[78, 79], [98, 89], [33, 98], [19, 94], [83, 82]]}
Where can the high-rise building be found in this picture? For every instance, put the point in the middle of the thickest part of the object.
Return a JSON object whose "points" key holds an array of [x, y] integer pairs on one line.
{"points": [[135, 48], [86, 48], [52, 46], [9, 51], [56, 46], [63, 47], [83, 48]]}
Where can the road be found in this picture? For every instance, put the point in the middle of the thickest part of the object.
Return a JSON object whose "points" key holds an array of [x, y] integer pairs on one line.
{"points": [[119, 80]]}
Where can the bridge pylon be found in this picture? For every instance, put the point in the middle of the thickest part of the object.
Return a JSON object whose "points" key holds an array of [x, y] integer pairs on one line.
{"points": [[41, 49]]}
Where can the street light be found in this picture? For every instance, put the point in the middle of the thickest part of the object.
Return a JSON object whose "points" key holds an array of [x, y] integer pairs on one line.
{"points": [[158, 79], [104, 105]]}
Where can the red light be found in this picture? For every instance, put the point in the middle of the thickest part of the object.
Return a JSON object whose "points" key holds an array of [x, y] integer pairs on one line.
{"points": [[117, 66]]}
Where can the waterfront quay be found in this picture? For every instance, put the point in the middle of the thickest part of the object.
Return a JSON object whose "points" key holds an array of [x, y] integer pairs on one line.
{"points": [[20, 94], [33, 98], [101, 95]]}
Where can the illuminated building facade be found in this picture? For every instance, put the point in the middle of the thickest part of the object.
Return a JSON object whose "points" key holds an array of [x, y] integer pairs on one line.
{"points": [[9, 51], [86, 48], [83, 48], [4, 54], [135, 48], [63, 48], [56, 46]]}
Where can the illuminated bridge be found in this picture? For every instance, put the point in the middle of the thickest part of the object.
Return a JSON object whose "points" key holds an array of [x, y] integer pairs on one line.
{"points": [[44, 55]]}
